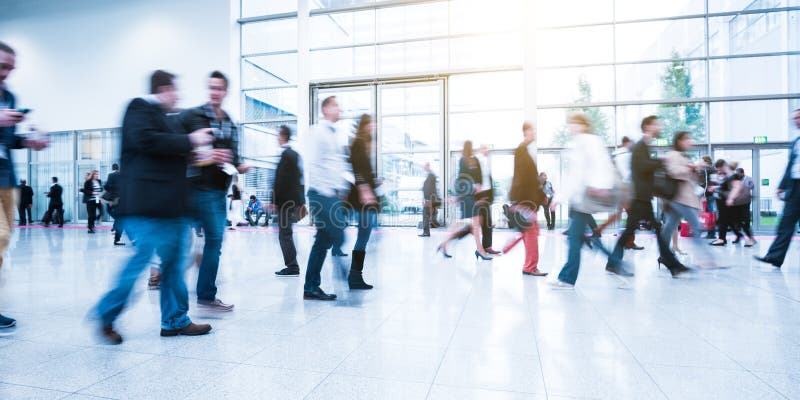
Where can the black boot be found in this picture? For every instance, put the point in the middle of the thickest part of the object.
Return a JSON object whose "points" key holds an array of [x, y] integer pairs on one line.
{"points": [[356, 278]]}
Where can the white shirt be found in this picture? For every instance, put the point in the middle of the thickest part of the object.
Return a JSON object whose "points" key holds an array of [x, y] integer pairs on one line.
{"points": [[486, 172], [622, 160], [325, 163], [588, 165]]}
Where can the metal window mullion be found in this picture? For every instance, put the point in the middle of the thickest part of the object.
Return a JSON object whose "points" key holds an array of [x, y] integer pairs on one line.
{"points": [[370, 6], [786, 96], [414, 40]]}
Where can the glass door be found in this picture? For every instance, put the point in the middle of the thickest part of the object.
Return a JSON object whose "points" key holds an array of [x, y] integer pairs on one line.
{"points": [[771, 166]]}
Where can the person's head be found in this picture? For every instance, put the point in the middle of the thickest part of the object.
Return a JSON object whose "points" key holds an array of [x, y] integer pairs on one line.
{"points": [[330, 109], [528, 131], [7, 61], [627, 142], [543, 177], [579, 123], [364, 130], [162, 85], [427, 167], [722, 167], [217, 88], [795, 114], [23, 181], [95, 174], [707, 160], [484, 150], [651, 128], [466, 152], [682, 141], [55, 179], [115, 167], [87, 176], [740, 172], [252, 197], [284, 135]]}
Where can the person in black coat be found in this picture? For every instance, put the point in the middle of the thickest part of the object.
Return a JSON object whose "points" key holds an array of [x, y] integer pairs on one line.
{"points": [[430, 196], [92, 188], [288, 200], [25, 202], [154, 199], [55, 207], [643, 167]]}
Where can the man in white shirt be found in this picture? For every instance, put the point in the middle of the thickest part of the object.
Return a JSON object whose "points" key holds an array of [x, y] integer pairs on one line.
{"points": [[789, 191], [325, 170]]}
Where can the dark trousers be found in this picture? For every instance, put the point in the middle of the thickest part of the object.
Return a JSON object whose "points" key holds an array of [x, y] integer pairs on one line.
{"points": [[550, 216], [485, 212], [427, 216], [92, 208], [54, 214], [743, 215], [285, 237], [112, 212], [638, 211], [209, 206], [24, 210], [787, 225], [329, 219], [728, 220]]}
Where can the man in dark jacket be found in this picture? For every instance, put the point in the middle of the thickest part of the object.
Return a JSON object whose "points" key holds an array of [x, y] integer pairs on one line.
{"points": [[210, 184], [9, 118], [643, 167], [112, 196], [55, 207], [153, 159], [288, 200], [526, 193], [431, 197], [25, 202]]}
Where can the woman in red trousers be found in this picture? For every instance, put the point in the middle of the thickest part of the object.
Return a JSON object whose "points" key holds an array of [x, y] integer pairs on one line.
{"points": [[527, 195]]}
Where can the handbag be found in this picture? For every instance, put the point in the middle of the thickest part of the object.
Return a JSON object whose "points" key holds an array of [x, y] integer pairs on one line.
{"points": [[519, 217], [664, 186], [709, 220], [604, 200]]}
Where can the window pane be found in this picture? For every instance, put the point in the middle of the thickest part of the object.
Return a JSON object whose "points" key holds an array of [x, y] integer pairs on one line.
{"points": [[412, 133], [260, 141], [342, 63], [739, 121], [336, 3], [475, 16], [484, 91], [754, 33], [497, 129], [270, 104], [352, 102], [403, 176], [485, 51], [661, 40], [574, 12], [740, 5], [641, 9], [673, 117], [575, 46], [268, 36], [272, 70], [679, 79], [575, 85], [255, 8], [425, 98], [412, 22], [342, 29], [552, 127], [412, 57], [746, 76]]}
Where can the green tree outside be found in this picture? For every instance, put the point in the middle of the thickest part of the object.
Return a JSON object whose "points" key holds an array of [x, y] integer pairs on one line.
{"points": [[599, 120], [676, 82]]}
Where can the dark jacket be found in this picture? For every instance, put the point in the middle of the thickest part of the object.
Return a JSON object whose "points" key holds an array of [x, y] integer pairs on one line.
{"points": [[211, 177], [88, 189], [525, 187], [642, 169], [287, 187], [153, 164], [469, 172], [787, 181], [362, 170], [8, 179], [429, 192], [55, 193], [25, 195], [112, 185]]}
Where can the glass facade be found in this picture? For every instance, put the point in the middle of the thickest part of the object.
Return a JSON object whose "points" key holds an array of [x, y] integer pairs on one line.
{"points": [[436, 73]]}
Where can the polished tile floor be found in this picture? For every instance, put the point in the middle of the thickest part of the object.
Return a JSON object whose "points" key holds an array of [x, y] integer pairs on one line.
{"points": [[432, 328]]}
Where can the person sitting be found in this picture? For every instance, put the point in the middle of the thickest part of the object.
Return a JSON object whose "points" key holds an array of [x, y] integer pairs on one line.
{"points": [[254, 207]]}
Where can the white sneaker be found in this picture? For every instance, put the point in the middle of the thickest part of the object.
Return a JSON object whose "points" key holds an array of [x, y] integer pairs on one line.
{"points": [[559, 285]]}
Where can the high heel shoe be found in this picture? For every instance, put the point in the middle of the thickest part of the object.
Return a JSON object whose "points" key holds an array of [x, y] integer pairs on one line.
{"points": [[660, 261], [479, 255], [719, 242], [492, 251], [440, 249], [751, 244]]}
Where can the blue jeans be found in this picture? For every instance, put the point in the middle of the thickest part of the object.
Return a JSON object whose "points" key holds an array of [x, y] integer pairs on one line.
{"points": [[169, 238], [210, 213], [575, 236], [330, 220], [673, 213], [367, 219]]}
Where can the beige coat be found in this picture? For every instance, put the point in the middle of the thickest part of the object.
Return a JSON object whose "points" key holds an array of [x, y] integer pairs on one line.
{"points": [[678, 167]]}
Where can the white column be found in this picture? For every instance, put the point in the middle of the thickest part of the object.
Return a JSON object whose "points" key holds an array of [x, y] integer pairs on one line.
{"points": [[233, 101], [303, 71]]}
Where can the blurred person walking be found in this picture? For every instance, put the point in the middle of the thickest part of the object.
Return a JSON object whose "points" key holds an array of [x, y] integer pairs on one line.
{"points": [[729, 191], [210, 180], [363, 199], [92, 189], [111, 195], [468, 184], [55, 207], [527, 195], [549, 194], [154, 159], [622, 161], [789, 192], [584, 191], [643, 168], [707, 179], [25, 203], [741, 207], [10, 117], [431, 201], [326, 168], [686, 203], [288, 200]]}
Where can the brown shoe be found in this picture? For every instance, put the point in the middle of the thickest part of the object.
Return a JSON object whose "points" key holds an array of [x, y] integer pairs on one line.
{"points": [[535, 272], [189, 330], [215, 305], [110, 336]]}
